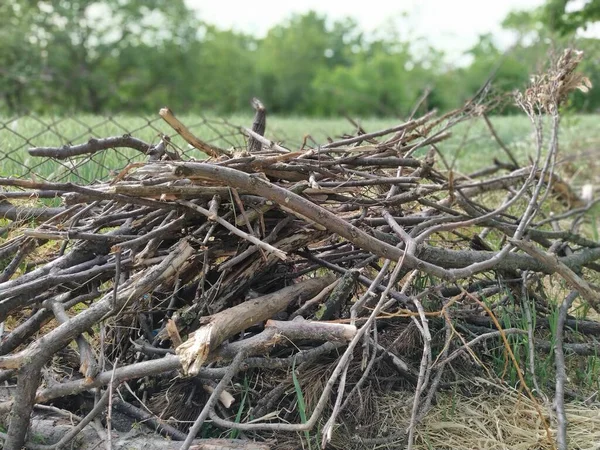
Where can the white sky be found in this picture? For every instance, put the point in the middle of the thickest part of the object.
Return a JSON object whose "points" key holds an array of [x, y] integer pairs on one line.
{"points": [[450, 25]]}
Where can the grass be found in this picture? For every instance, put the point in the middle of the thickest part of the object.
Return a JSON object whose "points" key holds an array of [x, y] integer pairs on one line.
{"points": [[501, 418], [487, 415], [238, 417], [300, 402], [471, 147]]}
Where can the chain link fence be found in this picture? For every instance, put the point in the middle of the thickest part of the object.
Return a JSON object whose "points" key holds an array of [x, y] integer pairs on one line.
{"points": [[20, 133]]}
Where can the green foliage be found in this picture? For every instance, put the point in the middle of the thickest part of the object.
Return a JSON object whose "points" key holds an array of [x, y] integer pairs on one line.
{"points": [[79, 52], [136, 56], [385, 79], [288, 59], [566, 22]]}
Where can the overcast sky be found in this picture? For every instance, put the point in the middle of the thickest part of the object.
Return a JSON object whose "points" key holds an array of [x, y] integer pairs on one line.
{"points": [[450, 25]]}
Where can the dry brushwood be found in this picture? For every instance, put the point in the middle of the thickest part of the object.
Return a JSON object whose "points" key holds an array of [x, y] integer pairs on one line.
{"points": [[177, 276]]}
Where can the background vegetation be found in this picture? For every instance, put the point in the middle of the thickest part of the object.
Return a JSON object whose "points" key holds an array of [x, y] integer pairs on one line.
{"points": [[132, 56]]}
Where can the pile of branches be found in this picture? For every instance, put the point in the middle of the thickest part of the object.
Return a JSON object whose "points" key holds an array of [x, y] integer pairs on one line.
{"points": [[177, 277]]}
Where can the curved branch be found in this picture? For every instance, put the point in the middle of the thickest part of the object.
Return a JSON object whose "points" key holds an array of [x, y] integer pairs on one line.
{"points": [[90, 147]]}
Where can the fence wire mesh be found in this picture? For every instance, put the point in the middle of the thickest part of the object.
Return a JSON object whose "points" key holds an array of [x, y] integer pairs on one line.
{"points": [[20, 133]]}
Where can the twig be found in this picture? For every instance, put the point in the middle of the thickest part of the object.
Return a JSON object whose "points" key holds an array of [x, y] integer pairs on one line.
{"points": [[110, 406], [478, 339], [315, 300], [27, 247], [363, 137], [556, 265], [424, 371], [499, 141], [117, 277], [240, 205], [89, 366], [264, 141], [328, 427], [148, 419], [528, 305], [231, 262], [424, 407], [71, 235], [559, 361], [258, 126]]}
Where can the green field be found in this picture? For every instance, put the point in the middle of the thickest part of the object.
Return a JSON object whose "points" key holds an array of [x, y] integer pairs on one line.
{"points": [[471, 146]]}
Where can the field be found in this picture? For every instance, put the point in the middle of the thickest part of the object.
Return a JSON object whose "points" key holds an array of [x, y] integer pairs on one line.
{"points": [[470, 148]]}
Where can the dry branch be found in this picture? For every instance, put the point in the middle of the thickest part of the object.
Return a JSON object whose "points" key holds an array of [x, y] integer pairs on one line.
{"points": [[555, 265], [11, 212], [92, 146], [218, 327], [186, 134]]}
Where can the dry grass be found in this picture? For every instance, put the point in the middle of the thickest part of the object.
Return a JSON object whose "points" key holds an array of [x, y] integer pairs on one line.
{"points": [[496, 418]]}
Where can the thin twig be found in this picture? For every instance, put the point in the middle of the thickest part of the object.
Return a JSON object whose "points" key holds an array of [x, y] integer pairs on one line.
{"points": [[499, 141], [559, 361], [528, 306], [110, 406], [424, 371]]}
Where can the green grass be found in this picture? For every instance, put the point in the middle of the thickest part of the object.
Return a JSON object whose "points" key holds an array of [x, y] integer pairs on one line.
{"points": [[238, 417], [300, 402], [470, 148]]}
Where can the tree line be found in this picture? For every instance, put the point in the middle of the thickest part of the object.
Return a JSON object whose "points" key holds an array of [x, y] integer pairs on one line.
{"points": [[134, 56]]}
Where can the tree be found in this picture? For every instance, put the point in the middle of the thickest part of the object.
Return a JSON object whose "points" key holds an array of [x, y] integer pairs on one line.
{"points": [[292, 54], [385, 80], [77, 46], [19, 63], [288, 59], [560, 19], [226, 74]]}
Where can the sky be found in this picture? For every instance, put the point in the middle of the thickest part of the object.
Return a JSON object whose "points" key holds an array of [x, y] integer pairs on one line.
{"points": [[449, 25]]}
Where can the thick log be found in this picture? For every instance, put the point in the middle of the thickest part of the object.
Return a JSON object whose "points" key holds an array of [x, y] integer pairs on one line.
{"points": [[221, 326]]}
